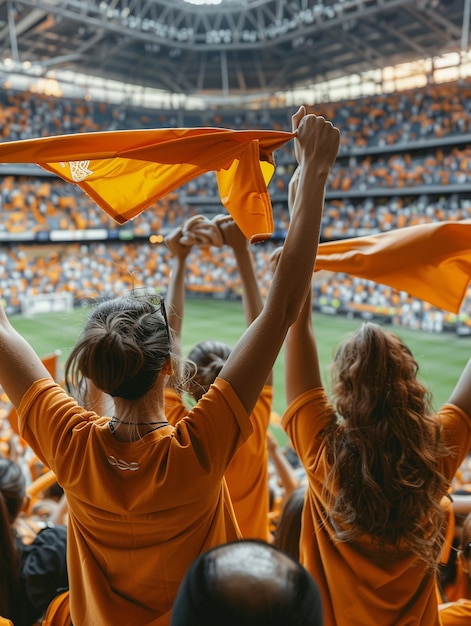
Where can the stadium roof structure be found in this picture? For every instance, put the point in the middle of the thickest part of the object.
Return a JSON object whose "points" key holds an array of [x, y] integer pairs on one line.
{"points": [[226, 47]]}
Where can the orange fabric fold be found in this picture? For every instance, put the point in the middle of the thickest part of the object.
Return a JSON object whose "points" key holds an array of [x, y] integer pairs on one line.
{"points": [[431, 262], [51, 362], [125, 172]]}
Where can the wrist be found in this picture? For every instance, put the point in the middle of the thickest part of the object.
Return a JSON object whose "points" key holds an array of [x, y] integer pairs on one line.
{"points": [[319, 172]]}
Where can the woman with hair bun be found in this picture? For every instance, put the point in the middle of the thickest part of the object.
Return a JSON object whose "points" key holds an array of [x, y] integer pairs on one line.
{"points": [[145, 498]]}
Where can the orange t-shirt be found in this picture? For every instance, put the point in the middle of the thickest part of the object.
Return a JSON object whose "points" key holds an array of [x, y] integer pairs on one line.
{"points": [[360, 585], [139, 513], [247, 474], [455, 613]]}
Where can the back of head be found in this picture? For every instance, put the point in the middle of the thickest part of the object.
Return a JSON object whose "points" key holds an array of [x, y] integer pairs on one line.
{"points": [[12, 488], [122, 349], [288, 527], [247, 583], [373, 371], [383, 452], [12, 494], [209, 358]]}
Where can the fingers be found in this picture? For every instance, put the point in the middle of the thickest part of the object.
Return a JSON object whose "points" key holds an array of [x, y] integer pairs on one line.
{"points": [[230, 232], [173, 236], [190, 230], [297, 117], [317, 140], [198, 231], [201, 231], [221, 219], [295, 121], [274, 258]]}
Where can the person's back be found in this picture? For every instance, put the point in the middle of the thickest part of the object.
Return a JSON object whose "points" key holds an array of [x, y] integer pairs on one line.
{"points": [[372, 528], [143, 498], [247, 583]]}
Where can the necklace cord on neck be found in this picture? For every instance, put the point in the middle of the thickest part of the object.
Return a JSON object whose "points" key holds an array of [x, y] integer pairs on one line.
{"points": [[114, 421]]}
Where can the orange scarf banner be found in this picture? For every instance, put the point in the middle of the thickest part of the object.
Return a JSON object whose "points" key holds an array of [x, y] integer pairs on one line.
{"points": [[431, 262], [124, 172]]}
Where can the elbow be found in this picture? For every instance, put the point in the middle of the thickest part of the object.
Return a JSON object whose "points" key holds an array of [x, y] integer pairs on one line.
{"points": [[290, 314]]}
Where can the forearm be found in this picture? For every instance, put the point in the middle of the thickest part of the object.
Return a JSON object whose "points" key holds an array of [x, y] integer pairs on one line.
{"points": [[175, 299], [302, 370], [251, 297], [303, 234]]}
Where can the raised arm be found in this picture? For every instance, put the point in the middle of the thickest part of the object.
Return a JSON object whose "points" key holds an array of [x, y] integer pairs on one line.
{"points": [[461, 395], [251, 360], [175, 299], [196, 231], [251, 297], [302, 370], [20, 366]]}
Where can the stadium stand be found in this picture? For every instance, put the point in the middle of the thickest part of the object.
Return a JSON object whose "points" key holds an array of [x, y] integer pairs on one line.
{"points": [[404, 160]]}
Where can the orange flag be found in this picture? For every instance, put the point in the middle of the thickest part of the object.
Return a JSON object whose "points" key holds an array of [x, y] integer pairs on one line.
{"points": [[126, 171], [51, 362], [431, 262]]}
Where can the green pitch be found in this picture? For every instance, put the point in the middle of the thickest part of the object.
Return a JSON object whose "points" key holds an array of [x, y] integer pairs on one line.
{"points": [[441, 357]]}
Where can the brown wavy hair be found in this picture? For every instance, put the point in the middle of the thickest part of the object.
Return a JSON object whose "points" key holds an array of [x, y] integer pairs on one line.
{"points": [[384, 448]]}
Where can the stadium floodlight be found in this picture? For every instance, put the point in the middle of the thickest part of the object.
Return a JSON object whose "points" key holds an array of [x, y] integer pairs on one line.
{"points": [[202, 2]]}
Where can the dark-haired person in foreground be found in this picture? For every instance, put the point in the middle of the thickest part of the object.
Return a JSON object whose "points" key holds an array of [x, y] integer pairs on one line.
{"points": [[247, 583]]}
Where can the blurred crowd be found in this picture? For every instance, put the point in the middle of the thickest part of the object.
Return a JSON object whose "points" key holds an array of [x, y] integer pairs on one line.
{"points": [[404, 161]]}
